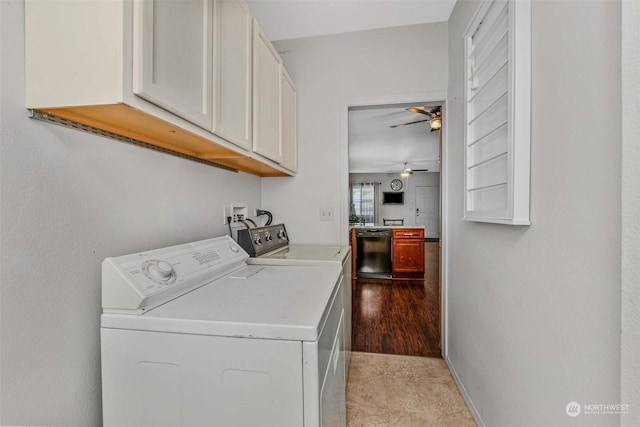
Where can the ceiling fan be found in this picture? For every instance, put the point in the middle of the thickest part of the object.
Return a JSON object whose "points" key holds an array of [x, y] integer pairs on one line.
{"points": [[435, 117], [406, 171]]}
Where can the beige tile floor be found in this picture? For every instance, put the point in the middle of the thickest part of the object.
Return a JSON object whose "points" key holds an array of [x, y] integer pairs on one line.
{"points": [[403, 391]]}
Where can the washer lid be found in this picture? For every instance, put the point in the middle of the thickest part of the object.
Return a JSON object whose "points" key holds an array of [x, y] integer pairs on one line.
{"points": [[288, 303], [304, 255]]}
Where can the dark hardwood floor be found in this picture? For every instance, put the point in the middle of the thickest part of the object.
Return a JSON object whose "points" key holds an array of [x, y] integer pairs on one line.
{"points": [[398, 316]]}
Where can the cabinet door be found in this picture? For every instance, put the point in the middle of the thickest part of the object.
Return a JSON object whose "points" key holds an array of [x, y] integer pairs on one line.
{"points": [[266, 97], [289, 122], [233, 84], [408, 256], [173, 56]]}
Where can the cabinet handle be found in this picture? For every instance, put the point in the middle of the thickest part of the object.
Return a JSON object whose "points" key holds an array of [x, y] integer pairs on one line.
{"points": [[408, 234]]}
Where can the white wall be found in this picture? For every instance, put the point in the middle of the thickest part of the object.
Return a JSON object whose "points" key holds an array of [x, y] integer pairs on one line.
{"points": [[69, 200], [408, 210], [327, 71], [630, 369], [534, 312]]}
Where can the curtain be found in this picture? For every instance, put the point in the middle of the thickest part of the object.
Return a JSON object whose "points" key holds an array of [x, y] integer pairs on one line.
{"points": [[365, 199]]}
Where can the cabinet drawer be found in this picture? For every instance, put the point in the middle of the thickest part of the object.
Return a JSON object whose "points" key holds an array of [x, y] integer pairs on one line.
{"points": [[408, 233]]}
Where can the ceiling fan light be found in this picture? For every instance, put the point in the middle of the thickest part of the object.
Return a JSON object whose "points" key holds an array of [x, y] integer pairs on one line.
{"points": [[406, 171], [435, 123]]}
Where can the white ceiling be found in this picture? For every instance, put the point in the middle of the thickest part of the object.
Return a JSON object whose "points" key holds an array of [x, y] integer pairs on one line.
{"points": [[376, 147], [290, 19]]}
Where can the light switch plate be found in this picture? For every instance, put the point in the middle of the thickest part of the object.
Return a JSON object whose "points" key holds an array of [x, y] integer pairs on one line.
{"points": [[326, 214]]}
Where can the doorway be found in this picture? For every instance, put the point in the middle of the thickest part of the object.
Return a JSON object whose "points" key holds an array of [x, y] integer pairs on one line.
{"points": [[400, 316]]}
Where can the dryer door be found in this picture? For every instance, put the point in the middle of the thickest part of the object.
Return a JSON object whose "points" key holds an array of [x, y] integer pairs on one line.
{"points": [[332, 393], [157, 379]]}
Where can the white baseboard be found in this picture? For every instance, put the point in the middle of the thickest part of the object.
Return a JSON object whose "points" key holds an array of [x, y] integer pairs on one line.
{"points": [[472, 408]]}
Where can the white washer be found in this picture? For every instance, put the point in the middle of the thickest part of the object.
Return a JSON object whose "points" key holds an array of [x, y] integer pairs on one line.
{"points": [[192, 336], [317, 255]]}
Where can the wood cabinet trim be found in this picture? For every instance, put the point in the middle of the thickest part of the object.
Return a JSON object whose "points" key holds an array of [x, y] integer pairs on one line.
{"points": [[124, 120]]}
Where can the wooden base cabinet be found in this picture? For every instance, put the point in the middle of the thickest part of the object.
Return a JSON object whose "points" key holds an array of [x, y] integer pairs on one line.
{"points": [[407, 253]]}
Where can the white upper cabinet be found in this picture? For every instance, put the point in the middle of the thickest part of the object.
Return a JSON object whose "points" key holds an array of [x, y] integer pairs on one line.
{"points": [[498, 112], [196, 78], [173, 57], [289, 129], [73, 53], [267, 140], [233, 31]]}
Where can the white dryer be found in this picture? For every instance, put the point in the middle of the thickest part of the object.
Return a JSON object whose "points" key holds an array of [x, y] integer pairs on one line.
{"points": [[192, 336], [270, 245]]}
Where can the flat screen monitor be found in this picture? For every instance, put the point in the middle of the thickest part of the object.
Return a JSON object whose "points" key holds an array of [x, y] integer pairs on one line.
{"points": [[395, 198]]}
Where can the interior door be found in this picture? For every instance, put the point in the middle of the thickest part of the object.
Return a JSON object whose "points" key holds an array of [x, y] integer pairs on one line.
{"points": [[428, 210]]}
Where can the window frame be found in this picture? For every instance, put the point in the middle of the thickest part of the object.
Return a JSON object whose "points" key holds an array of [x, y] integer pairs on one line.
{"points": [[358, 206], [518, 119]]}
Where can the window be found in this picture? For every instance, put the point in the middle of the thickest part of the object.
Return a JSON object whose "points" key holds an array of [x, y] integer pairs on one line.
{"points": [[497, 112], [364, 201]]}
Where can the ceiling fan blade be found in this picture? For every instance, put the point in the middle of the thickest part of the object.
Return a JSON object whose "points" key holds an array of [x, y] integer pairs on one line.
{"points": [[410, 123], [419, 110], [435, 111]]}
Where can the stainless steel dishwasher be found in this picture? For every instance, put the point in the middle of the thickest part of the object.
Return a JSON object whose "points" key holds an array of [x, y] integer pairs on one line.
{"points": [[373, 252]]}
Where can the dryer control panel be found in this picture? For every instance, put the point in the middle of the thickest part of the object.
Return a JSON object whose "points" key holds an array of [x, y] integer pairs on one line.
{"points": [[138, 282], [260, 240]]}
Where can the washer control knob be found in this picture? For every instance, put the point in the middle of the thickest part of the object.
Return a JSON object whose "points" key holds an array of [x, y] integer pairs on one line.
{"points": [[257, 240], [268, 238], [161, 270], [280, 234]]}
